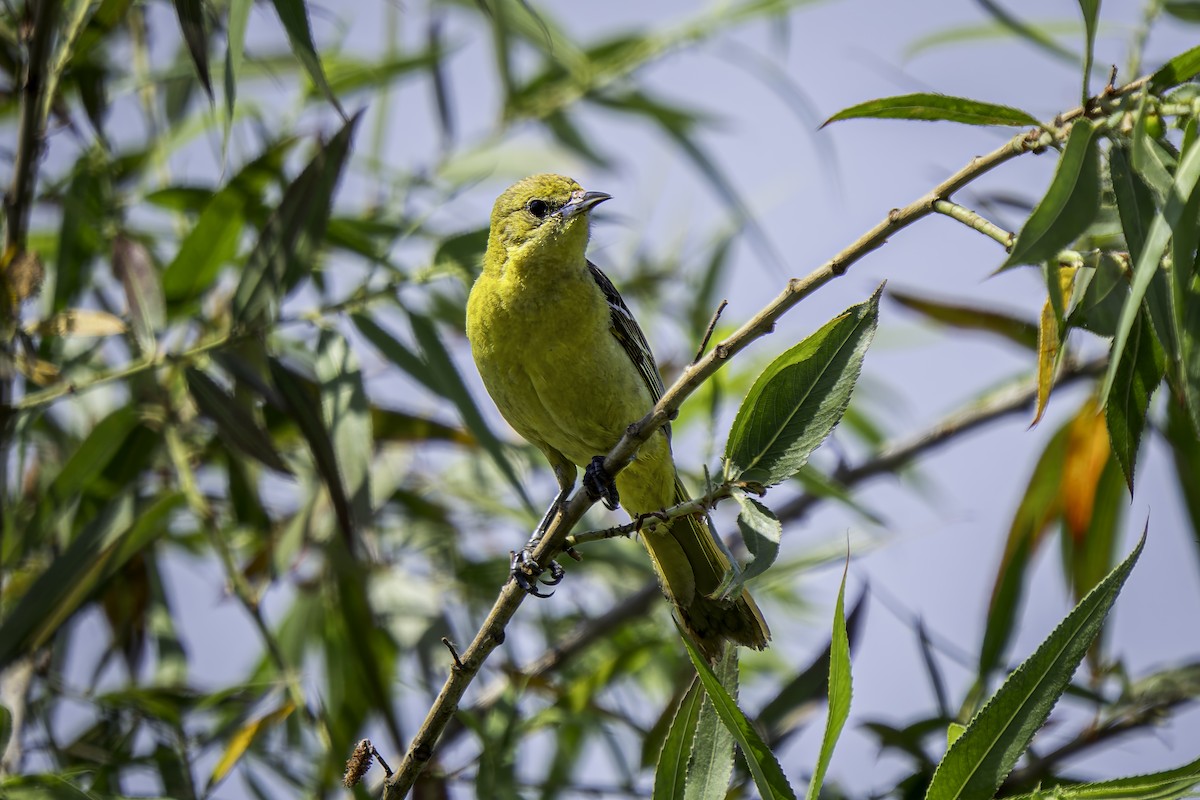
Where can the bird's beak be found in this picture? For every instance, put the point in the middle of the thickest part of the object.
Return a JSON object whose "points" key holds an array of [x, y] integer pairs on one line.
{"points": [[582, 201]]}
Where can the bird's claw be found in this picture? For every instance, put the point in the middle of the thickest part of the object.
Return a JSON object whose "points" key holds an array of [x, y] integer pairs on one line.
{"points": [[526, 572], [599, 485]]}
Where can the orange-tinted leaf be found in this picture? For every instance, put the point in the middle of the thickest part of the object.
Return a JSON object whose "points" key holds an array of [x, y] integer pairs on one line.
{"points": [[1087, 453]]}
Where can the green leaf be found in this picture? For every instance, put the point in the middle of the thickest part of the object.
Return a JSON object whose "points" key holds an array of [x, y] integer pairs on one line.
{"points": [[103, 444], [1179, 69], [1135, 201], [768, 775], [191, 24], [6, 728], [711, 764], [787, 711], [348, 417], [1091, 10], [1142, 368], [966, 317], [1100, 293], [1166, 785], [286, 248], [238, 427], [1168, 219], [799, 398], [1185, 453], [1070, 203], [435, 370], [927, 106], [1183, 301], [840, 689], [304, 408], [761, 531], [106, 543], [235, 32], [979, 760], [86, 208], [670, 774], [1154, 163], [294, 16]]}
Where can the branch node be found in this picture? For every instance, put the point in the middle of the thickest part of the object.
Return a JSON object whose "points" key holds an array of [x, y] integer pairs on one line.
{"points": [[893, 216], [838, 266], [721, 351]]}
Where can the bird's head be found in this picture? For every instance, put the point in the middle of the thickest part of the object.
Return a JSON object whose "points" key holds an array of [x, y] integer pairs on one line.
{"points": [[544, 214]]}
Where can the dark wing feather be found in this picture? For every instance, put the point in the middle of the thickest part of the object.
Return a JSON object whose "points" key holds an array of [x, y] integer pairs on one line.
{"points": [[626, 330]]}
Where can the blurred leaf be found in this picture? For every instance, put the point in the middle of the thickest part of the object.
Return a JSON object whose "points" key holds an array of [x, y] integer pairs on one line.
{"points": [[78, 322], [711, 764], [1183, 300], [1168, 219], [235, 34], [970, 318], [240, 742], [935, 107], [1142, 368], [1166, 785], [761, 531], [1101, 291], [286, 248], [238, 427], [1040, 505], [768, 776], [799, 398], [389, 425], [294, 16], [1180, 69], [797, 699], [304, 408], [138, 275], [103, 444], [971, 33], [191, 24], [840, 689], [434, 369], [348, 75], [1185, 453], [85, 212], [107, 541], [1070, 204], [6, 728], [979, 760], [1091, 10], [1032, 34], [347, 414]]}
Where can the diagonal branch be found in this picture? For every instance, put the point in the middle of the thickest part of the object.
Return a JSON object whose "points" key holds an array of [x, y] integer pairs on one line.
{"points": [[492, 632]]}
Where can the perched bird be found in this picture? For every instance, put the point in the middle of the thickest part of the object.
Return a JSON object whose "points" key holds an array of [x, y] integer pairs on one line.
{"points": [[569, 368]]}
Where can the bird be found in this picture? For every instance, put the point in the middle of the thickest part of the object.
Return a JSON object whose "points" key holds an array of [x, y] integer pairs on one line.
{"points": [[569, 369]]}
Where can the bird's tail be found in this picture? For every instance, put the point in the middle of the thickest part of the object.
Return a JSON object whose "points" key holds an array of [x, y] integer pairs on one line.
{"points": [[690, 565]]}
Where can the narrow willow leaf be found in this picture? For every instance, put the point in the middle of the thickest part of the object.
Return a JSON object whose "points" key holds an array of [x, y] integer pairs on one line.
{"points": [[1142, 368], [107, 440], [238, 427], [974, 318], [1070, 203], [927, 106], [1184, 294], [348, 417], [1135, 201], [761, 531], [78, 322], [1150, 159], [1168, 219], [294, 16], [1185, 454], [1186, 10], [798, 399], [1052, 331], [671, 773], [235, 45], [138, 275], [243, 737], [191, 24], [979, 760], [1091, 10], [6, 728], [797, 700], [711, 765], [1100, 294], [768, 776], [1180, 69], [304, 409], [1166, 785], [283, 253], [840, 690]]}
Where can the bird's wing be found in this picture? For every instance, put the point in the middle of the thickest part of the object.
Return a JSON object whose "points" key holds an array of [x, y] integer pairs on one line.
{"points": [[626, 330]]}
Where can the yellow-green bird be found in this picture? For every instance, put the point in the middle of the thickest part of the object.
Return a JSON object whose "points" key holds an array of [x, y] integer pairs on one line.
{"points": [[569, 368]]}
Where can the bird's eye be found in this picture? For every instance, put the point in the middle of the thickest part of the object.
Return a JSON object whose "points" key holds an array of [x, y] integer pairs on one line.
{"points": [[539, 208]]}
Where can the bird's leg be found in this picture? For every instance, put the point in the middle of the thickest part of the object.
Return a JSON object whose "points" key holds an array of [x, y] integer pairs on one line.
{"points": [[600, 485], [524, 569]]}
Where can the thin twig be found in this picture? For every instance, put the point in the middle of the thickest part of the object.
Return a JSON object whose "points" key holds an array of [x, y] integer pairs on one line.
{"points": [[492, 632], [712, 326], [697, 505], [975, 221]]}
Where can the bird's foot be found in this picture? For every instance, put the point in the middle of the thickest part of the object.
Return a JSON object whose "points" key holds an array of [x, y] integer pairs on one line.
{"points": [[526, 572], [600, 485]]}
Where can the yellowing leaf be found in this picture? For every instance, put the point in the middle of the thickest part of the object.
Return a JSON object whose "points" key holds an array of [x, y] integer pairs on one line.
{"points": [[240, 742], [42, 373], [1087, 453], [79, 322], [1050, 339]]}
